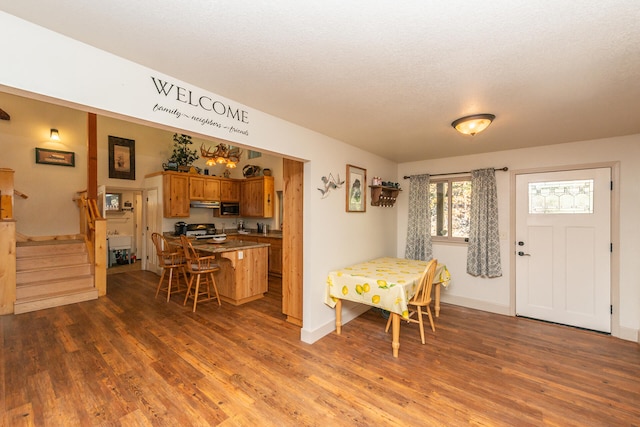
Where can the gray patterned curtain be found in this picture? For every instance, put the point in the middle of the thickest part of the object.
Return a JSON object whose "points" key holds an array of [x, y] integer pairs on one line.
{"points": [[483, 253], [419, 224]]}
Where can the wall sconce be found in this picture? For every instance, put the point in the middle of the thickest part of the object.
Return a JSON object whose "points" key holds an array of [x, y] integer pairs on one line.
{"points": [[471, 125], [54, 135]]}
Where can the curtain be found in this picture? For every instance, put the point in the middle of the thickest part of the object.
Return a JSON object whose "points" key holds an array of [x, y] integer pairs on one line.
{"points": [[419, 224], [483, 253]]}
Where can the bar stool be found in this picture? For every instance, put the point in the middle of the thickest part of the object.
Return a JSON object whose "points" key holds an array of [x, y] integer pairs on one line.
{"points": [[169, 259], [197, 266]]}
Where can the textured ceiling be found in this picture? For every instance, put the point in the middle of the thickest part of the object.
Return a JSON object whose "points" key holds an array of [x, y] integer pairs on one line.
{"points": [[388, 76]]}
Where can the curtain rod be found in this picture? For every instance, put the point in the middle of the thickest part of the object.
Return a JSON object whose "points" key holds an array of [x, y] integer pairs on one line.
{"points": [[504, 169]]}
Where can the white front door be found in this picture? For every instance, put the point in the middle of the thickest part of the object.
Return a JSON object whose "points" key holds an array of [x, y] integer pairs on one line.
{"points": [[563, 247]]}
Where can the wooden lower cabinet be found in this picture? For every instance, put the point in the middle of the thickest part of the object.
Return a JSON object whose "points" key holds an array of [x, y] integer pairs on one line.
{"points": [[275, 250], [243, 275], [275, 254]]}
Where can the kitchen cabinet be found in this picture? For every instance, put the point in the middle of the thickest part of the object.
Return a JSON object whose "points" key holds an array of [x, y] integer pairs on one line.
{"points": [[229, 190], [257, 197], [243, 275], [275, 254], [175, 195], [204, 188]]}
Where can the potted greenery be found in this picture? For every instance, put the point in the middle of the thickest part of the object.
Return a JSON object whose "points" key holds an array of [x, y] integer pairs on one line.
{"points": [[183, 156]]}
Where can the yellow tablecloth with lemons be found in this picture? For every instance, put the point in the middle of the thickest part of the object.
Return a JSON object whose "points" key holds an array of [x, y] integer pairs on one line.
{"points": [[387, 283]]}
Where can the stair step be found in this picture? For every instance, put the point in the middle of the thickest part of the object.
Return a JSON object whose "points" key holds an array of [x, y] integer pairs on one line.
{"points": [[55, 299], [46, 287], [52, 273], [55, 260], [50, 247]]}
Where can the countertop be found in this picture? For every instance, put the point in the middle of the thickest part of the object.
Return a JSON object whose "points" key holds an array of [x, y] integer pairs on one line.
{"points": [[226, 246], [254, 233]]}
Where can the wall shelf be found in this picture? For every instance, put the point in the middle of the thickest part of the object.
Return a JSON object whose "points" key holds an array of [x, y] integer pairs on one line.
{"points": [[383, 196]]}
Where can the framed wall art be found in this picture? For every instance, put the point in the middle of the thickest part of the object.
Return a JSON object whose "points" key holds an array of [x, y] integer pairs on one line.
{"points": [[356, 189], [122, 158], [55, 157]]}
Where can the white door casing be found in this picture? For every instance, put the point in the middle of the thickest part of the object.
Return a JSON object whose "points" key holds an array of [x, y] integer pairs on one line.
{"points": [[152, 212], [563, 259]]}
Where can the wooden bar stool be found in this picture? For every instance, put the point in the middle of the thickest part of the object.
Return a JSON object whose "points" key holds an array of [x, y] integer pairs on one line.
{"points": [[197, 266], [169, 258]]}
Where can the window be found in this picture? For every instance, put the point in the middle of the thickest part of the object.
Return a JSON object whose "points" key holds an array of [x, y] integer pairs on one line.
{"points": [[561, 197], [450, 202]]}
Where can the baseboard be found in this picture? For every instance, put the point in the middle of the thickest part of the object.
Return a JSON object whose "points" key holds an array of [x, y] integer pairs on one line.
{"points": [[351, 312], [348, 314], [628, 334], [476, 304]]}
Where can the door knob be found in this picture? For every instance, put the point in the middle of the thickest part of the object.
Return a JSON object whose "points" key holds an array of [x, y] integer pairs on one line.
{"points": [[523, 254]]}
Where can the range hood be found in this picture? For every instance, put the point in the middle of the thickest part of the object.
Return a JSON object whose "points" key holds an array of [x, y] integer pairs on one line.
{"points": [[205, 204]]}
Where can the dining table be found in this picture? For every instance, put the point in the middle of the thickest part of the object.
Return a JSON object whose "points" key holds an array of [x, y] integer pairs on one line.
{"points": [[387, 283]]}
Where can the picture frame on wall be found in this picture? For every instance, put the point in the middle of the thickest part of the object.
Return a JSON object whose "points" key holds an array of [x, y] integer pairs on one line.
{"points": [[46, 156], [356, 189], [122, 158]]}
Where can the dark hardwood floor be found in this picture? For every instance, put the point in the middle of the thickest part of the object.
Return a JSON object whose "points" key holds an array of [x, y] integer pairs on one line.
{"points": [[129, 359]]}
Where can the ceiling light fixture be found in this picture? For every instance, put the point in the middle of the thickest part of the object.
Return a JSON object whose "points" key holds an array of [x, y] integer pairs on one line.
{"points": [[223, 154], [54, 135], [470, 125]]}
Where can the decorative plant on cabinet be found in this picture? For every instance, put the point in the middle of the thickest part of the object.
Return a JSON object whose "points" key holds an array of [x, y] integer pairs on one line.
{"points": [[183, 156]]}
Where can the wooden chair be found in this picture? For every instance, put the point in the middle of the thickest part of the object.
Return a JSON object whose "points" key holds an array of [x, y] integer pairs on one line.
{"points": [[422, 299], [170, 259], [197, 266]]}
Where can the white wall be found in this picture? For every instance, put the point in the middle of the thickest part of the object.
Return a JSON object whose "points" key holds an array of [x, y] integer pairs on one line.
{"points": [[494, 294], [51, 189], [93, 80]]}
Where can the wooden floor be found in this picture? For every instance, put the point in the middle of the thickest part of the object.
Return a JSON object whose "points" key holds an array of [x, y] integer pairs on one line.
{"points": [[129, 359]]}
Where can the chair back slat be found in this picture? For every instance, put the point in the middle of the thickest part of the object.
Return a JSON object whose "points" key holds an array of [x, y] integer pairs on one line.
{"points": [[423, 293], [167, 256]]}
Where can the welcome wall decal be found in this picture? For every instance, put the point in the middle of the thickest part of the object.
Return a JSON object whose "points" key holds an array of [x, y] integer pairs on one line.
{"points": [[212, 112]]}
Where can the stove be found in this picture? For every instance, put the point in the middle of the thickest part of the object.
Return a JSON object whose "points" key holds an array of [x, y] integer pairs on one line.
{"points": [[203, 231]]}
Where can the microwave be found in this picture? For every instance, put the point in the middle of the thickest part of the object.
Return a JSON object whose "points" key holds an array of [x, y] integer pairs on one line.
{"points": [[229, 209]]}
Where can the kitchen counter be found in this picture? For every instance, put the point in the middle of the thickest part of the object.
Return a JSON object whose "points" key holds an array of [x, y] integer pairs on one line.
{"points": [[207, 245], [243, 275], [253, 233]]}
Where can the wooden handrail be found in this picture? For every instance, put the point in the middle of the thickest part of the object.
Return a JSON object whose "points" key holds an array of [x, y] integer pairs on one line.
{"points": [[19, 194], [93, 226]]}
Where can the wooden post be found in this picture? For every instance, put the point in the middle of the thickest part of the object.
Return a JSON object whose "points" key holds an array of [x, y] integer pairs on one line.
{"points": [[7, 266], [7, 244], [293, 176], [92, 156], [100, 260]]}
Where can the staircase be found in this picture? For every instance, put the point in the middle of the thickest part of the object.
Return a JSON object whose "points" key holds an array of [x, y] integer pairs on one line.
{"points": [[52, 273]]}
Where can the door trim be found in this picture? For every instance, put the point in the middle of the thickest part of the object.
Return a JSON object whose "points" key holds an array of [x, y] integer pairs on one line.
{"points": [[615, 233]]}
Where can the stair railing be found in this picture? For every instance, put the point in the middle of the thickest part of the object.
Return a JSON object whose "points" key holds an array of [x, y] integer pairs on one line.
{"points": [[94, 229]]}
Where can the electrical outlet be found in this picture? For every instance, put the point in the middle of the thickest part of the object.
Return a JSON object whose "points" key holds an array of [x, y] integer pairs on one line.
{"points": [[240, 255]]}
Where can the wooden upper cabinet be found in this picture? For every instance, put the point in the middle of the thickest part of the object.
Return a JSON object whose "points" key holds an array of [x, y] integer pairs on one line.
{"points": [[204, 188], [229, 191], [175, 195], [257, 197]]}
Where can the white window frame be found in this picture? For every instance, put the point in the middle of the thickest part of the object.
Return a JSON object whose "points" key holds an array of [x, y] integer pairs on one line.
{"points": [[449, 181]]}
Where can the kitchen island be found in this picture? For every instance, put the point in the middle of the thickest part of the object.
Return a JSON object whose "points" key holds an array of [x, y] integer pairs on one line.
{"points": [[243, 275]]}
